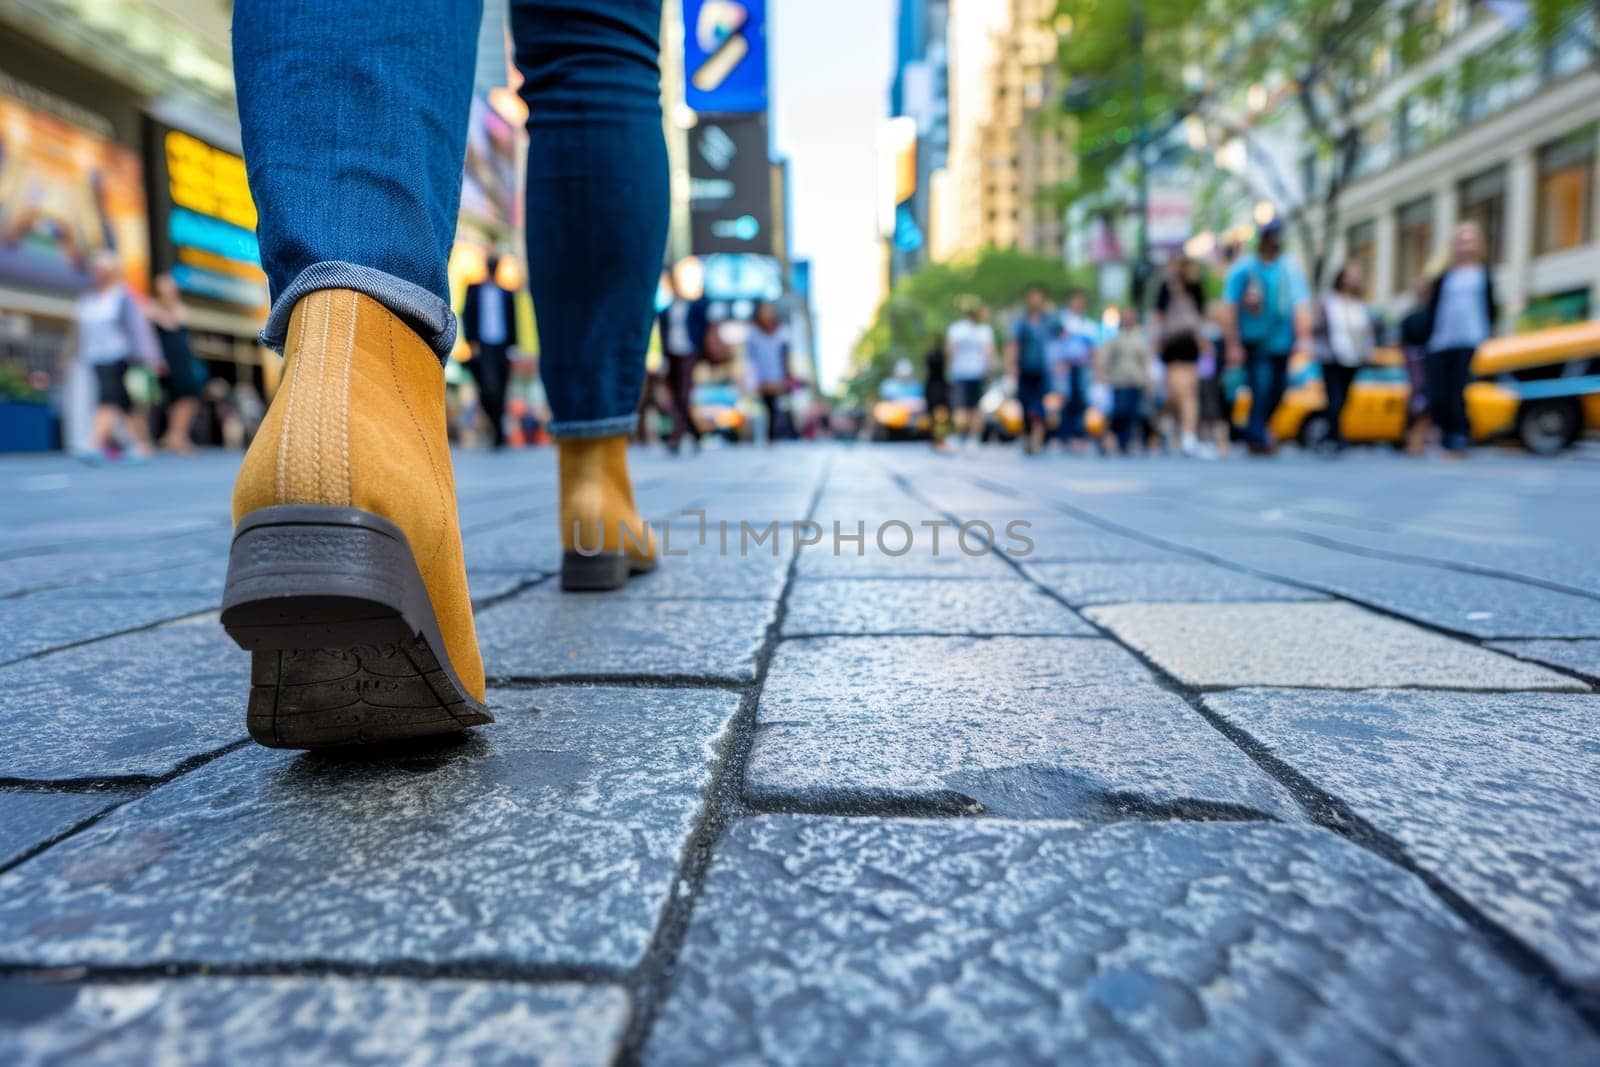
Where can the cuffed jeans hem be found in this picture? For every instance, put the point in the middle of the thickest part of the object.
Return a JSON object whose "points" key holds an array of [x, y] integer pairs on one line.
{"points": [[591, 428], [419, 309]]}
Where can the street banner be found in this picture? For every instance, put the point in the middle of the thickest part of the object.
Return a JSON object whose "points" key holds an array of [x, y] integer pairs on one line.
{"points": [[730, 185]]}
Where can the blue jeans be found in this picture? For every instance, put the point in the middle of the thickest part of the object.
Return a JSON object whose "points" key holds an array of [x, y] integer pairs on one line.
{"points": [[1074, 389], [1126, 400], [1268, 375], [354, 119]]}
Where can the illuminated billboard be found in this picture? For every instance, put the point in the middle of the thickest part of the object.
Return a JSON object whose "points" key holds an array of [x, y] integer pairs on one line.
{"points": [[203, 221], [67, 191], [730, 186], [725, 55]]}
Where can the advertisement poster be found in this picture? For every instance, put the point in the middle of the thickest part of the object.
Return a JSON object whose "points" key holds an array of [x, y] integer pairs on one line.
{"points": [[67, 191], [204, 221], [725, 55]]}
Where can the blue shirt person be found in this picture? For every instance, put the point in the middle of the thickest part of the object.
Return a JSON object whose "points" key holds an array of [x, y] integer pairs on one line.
{"points": [[1033, 337], [1267, 315]]}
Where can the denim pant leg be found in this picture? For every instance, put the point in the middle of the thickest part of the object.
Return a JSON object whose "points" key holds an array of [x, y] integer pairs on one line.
{"points": [[354, 118], [597, 201]]}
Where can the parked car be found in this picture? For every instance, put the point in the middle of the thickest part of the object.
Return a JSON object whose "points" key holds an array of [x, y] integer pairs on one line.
{"points": [[1542, 387]]}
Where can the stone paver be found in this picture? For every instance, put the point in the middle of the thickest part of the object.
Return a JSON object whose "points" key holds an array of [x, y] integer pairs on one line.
{"points": [[1334, 646], [553, 837], [28, 819], [44, 621], [541, 635], [310, 1020], [1020, 726], [869, 941], [865, 606], [111, 709], [1086, 583], [1580, 656], [1495, 793]]}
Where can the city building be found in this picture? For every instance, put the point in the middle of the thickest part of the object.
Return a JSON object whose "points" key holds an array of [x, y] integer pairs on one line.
{"points": [[1514, 152], [1007, 155], [920, 93]]}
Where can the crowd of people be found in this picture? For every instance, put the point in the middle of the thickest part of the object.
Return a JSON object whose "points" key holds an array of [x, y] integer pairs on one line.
{"points": [[1164, 374]]}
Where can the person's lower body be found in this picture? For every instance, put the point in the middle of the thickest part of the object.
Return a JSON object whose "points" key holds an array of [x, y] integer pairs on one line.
{"points": [[347, 572], [1336, 381], [1183, 391], [1125, 404], [1448, 373], [113, 411], [1268, 375], [491, 369], [1074, 390], [1215, 425], [680, 384], [967, 420], [1031, 390], [772, 401]]}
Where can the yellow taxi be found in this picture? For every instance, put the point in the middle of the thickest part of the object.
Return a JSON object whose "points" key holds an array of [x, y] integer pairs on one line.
{"points": [[1542, 387]]}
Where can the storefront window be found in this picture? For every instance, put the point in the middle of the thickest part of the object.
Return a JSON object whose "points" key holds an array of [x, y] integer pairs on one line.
{"points": [[1414, 222], [1483, 200], [1566, 193]]}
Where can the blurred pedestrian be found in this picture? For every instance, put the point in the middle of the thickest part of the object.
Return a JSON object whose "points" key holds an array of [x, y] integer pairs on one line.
{"points": [[1345, 338], [1180, 308], [936, 394], [1028, 363], [489, 326], [1266, 317], [1072, 364], [969, 354], [1123, 364], [767, 358], [109, 334], [1413, 338], [186, 375], [1462, 311], [684, 327], [1216, 419]]}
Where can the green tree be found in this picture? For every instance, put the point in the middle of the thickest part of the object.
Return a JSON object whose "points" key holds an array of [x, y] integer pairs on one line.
{"points": [[922, 305], [1226, 70]]}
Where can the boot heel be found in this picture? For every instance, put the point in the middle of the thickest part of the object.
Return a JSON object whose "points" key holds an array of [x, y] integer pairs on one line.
{"points": [[346, 649], [594, 574]]}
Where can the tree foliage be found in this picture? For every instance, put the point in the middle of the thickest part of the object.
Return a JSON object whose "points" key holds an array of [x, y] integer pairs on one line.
{"points": [[922, 305], [1316, 59]]}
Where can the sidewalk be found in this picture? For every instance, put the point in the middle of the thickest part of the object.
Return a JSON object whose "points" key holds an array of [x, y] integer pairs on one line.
{"points": [[1238, 762]]}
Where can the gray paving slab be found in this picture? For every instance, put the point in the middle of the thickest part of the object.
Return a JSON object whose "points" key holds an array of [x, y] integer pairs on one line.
{"points": [[984, 941], [1580, 656], [1017, 726], [40, 622], [1085, 583], [887, 606], [138, 705], [1333, 646], [310, 1020], [924, 560], [28, 819], [542, 635], [1494, 792], [532, 547], [552, 838]]}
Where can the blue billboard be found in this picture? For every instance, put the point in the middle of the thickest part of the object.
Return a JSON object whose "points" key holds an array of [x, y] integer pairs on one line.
{"points": [[725, 55]]}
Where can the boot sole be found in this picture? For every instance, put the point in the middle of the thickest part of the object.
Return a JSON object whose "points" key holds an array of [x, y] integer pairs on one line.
{"points": [[345, 646], [599, 573]]}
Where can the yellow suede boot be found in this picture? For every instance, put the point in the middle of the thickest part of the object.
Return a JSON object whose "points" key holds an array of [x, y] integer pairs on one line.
{"points": [[346, 578], [605, 540]]}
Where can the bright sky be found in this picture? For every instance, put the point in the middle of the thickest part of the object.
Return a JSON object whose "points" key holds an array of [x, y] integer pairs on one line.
{"points": [[831, 64]]}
